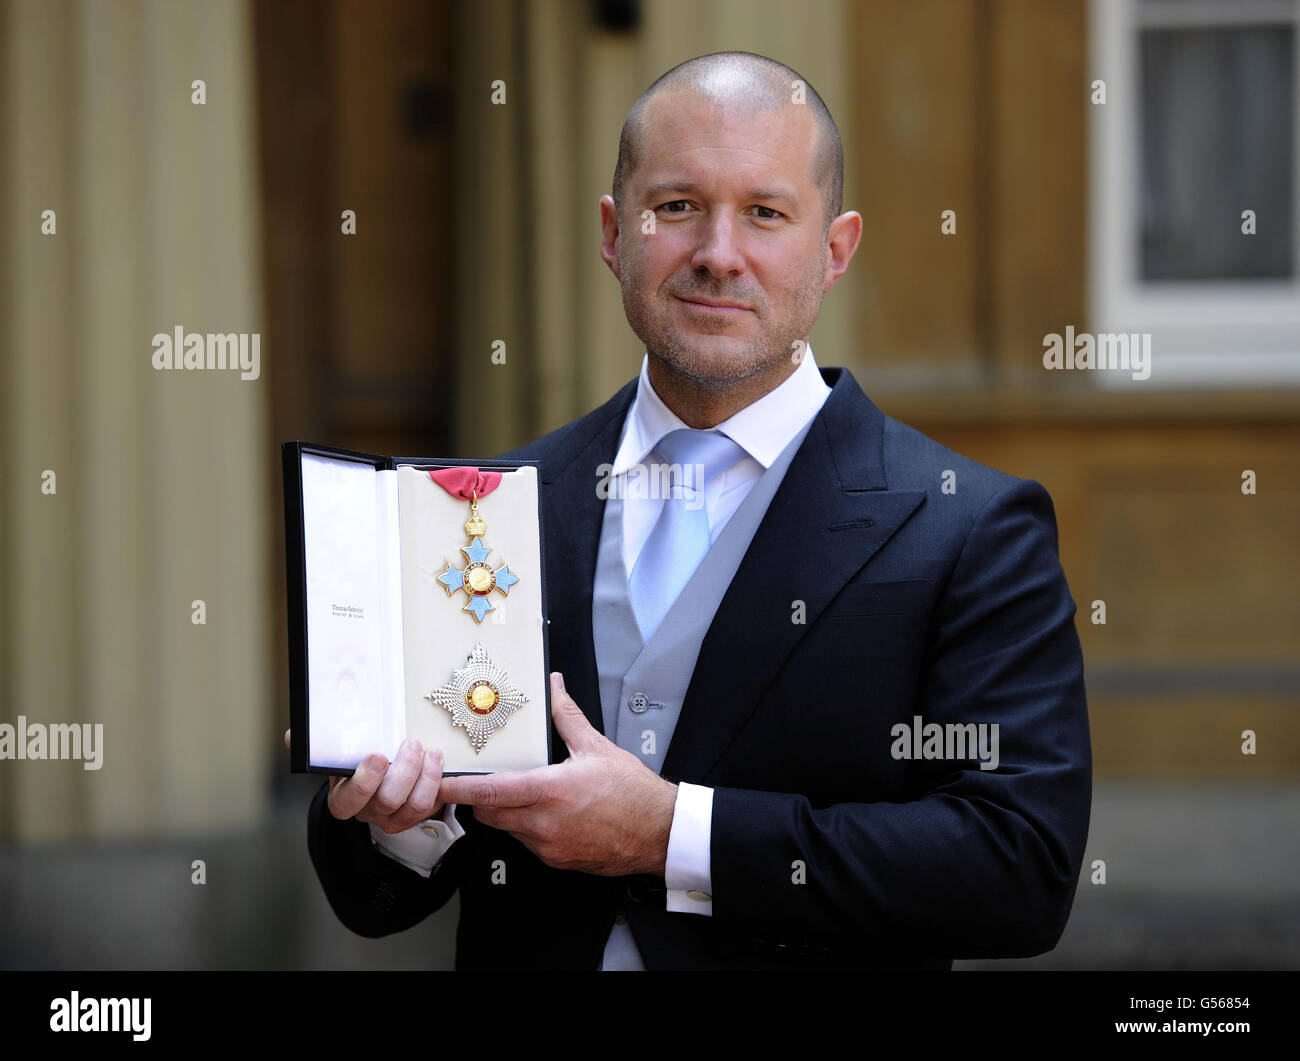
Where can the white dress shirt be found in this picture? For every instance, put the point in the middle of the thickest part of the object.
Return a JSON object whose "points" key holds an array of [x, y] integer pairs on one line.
{"points": [[763, 429]]}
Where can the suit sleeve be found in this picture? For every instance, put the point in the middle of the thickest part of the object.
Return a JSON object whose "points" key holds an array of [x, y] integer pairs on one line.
{"points": [[373, 894], [973, 863]]}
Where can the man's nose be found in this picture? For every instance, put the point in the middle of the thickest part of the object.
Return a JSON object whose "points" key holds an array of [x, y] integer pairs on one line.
{"points": [[719, 249]]}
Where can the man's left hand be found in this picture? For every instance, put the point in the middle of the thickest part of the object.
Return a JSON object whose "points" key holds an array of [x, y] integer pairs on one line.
{"points": [[600, 811]]}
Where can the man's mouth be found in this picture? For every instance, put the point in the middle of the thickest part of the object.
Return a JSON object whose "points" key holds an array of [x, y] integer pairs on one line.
{"points": [[714, 307]]}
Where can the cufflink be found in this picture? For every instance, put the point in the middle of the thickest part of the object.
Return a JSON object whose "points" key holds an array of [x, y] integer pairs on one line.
{"points": [[695, 893], [432, 830]]}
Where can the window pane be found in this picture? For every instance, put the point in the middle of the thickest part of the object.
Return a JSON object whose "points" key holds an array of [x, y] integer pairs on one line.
{"points": [[1216, 137]]}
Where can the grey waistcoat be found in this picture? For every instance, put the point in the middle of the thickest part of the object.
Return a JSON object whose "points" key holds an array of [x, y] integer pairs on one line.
{"points": [[642, 686]]}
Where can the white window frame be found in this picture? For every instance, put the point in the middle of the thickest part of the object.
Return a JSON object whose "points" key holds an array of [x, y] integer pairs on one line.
{"points": [[1241, 333]]}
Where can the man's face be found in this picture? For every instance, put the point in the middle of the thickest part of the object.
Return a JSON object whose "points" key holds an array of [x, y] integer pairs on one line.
{"points": [[738, 220]]}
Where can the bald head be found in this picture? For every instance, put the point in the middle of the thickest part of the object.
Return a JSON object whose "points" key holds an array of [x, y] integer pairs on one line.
{"points": [[747, 82]]}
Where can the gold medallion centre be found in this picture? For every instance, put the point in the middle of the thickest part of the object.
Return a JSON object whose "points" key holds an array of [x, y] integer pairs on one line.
{"points": [[480, 579], [481, 697]]}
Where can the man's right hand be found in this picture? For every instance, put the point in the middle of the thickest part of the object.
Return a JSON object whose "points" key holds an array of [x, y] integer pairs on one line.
{"points": [[394, 797]]}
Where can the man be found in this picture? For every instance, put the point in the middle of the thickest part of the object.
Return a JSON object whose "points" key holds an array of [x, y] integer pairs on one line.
{"points": [[823, 706]]}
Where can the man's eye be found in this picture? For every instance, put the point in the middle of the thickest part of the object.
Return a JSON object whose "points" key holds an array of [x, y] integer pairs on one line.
{"points": [[770, 215], [676, 202]]}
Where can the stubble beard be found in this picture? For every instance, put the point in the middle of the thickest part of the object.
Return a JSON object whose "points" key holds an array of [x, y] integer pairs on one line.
{"points": [[713, 372]]}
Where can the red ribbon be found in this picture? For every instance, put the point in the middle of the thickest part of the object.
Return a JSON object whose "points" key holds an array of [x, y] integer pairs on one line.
{"points": [[466, 482]]}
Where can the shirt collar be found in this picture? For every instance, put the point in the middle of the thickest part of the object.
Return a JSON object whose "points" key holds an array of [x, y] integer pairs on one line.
{"points": [[764, 427]]}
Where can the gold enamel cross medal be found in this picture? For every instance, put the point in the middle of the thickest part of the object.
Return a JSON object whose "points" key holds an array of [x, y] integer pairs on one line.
{"points": [[477, 578], [480, 697]]}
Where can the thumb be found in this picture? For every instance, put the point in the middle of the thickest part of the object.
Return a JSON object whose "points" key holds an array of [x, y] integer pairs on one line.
{"points": [[572, 725]]}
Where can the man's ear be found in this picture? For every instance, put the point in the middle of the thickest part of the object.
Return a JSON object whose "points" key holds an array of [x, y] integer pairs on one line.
{"points": [[841, 241], [609, 233]]}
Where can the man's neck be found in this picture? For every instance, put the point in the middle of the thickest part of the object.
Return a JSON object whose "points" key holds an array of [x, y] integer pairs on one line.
{"points": [[702, 408]]}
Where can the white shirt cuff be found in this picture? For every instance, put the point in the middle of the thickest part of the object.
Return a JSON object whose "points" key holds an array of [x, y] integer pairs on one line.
{"points": [[687, 869], [422, 846]]}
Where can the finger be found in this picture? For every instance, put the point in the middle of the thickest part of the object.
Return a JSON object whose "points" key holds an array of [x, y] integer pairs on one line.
{"points": [[353, 793], [395, 788], [577, 733], [521, 789], [286, 738], [423, 801]]}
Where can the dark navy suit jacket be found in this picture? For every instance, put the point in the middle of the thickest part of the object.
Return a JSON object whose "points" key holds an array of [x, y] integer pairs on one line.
{"points": [[827, 851]]}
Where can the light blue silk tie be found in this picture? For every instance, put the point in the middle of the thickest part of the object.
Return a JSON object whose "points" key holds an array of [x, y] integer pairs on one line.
{"points": [[680, 538]]}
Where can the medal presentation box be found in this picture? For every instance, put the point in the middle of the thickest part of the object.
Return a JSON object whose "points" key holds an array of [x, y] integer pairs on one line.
{"points": [[414, 611]]}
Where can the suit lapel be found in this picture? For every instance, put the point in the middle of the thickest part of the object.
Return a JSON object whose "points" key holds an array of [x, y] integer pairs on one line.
{"points": [[831, 514], [572, 510]]}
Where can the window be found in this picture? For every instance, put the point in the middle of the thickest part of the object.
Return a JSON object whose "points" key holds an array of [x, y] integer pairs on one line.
{"points": [[1199, 126]]}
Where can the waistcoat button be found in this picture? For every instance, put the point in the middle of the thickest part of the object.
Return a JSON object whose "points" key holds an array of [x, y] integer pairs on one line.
{"points": [[640, 703]]}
